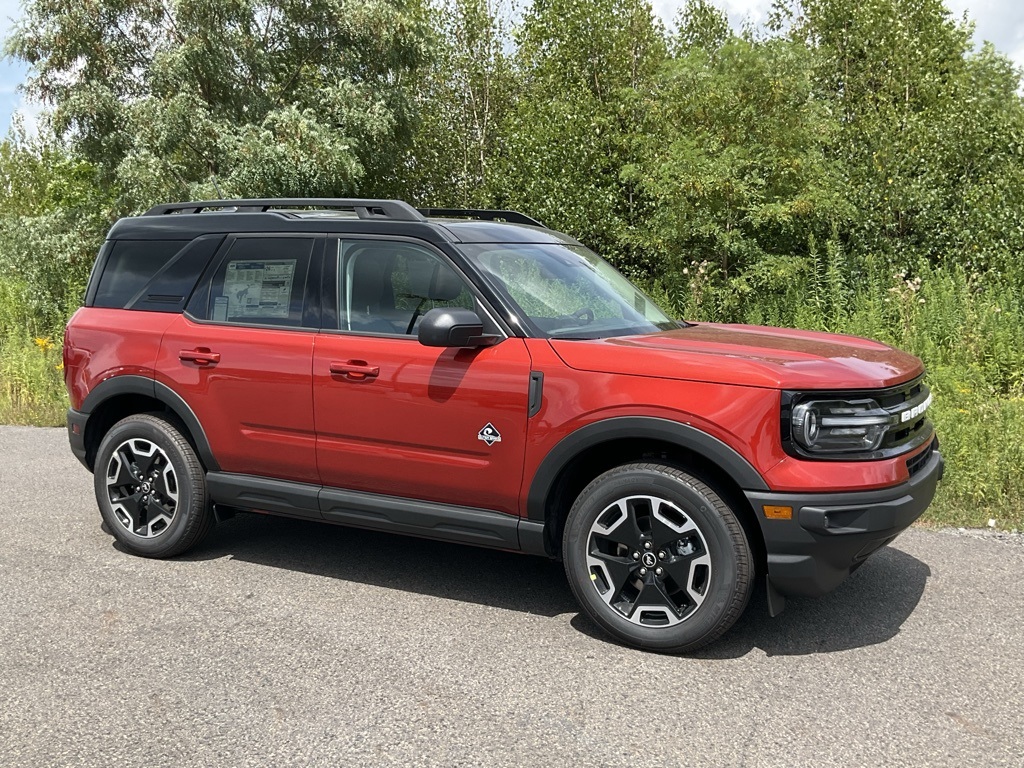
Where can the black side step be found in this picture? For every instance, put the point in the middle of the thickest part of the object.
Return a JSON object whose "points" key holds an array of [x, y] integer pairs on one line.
{"points": [[394, 514]]}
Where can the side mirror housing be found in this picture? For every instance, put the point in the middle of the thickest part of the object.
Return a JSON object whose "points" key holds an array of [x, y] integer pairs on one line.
{"points": [[453, 328]]}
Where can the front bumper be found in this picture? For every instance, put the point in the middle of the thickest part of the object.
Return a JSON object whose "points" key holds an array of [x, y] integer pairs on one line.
{"points": [[831, 534]]}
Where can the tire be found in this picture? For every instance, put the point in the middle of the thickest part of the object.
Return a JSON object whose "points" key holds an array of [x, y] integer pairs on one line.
{"points": [[656, 558], [151, 487]]}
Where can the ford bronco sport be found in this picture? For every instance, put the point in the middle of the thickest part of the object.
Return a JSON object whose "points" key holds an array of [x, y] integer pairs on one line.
{"points": [[475, 377]]}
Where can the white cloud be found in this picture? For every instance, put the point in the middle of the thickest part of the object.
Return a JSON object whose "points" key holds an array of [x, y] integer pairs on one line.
{"points": [[29, 113]]}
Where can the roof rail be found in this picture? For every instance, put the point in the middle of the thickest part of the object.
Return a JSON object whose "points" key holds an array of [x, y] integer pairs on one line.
{"points": [[364, 209], [512, 217]]}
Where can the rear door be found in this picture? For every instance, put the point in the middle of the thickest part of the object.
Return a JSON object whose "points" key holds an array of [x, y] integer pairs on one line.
{"points": [[241, 356], [398, 418]]}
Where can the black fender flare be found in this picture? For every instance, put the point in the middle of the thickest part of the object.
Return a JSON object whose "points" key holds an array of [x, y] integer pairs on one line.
{"points": [[140, 385], [631, 427]]}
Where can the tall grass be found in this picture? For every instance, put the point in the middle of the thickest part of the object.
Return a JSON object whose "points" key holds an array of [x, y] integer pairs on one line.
{"points": [[31, 381], [31, 372]]}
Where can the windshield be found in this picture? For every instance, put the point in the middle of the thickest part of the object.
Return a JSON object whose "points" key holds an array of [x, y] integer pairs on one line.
{"points": [[567, 292]]}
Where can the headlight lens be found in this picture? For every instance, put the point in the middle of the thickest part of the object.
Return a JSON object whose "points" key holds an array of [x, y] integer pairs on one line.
{"points": [[838, 426]]}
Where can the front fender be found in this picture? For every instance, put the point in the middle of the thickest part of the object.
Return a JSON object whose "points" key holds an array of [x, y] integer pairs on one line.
{"points": [[633, 427]]}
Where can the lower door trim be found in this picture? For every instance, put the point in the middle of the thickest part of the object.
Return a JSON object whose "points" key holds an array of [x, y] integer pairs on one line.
{"points": [[413, 517]]}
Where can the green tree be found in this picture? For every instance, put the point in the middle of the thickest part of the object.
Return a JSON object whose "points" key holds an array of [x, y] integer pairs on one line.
{"points": [[929, 137], [738, 172], [191, 97], [572, 143], [462, 98], [738, 165]]}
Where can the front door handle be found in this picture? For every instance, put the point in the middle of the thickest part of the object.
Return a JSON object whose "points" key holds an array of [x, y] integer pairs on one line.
{"points": [[357, 370], [199, 356]]}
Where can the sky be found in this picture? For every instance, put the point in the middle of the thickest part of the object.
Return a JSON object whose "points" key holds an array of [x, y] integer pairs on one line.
{"points": [[998, 21]]}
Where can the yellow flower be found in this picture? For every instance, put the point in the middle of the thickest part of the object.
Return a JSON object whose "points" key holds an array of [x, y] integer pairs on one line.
{"points": [[44, 343], [59, 367]]}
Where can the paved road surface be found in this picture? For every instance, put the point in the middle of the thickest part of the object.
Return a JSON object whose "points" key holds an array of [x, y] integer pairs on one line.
{"points": [[284, 642]]}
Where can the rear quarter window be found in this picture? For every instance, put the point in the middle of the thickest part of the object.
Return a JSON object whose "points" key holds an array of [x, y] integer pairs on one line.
{"points": [[153, 275], [129, 267]]}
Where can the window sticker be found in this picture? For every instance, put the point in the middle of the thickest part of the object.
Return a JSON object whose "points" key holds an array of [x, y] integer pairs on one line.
{"points": [[260, 288]]}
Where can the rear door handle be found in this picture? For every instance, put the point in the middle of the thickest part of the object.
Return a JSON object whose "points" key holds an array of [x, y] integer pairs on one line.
{"points": [[356, 370], [199, 356]]}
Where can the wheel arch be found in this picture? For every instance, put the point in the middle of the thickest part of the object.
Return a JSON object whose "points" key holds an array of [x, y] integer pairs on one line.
{"points": [[121, 396], [591, 450]]}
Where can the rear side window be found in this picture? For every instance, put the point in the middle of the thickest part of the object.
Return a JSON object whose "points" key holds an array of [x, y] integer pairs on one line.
{"points": [[262, 281], [130, 266]]}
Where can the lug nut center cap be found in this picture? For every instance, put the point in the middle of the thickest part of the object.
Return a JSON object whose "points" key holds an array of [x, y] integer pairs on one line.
{"points": [[649, 559], [146, 487]]}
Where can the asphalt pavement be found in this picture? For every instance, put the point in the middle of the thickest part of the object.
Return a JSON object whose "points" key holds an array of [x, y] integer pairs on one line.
{"points": [[290, 643]]}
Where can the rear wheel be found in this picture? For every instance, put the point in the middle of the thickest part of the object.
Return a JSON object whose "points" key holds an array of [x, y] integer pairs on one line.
{"points": [[151, 488], [657, 558]]}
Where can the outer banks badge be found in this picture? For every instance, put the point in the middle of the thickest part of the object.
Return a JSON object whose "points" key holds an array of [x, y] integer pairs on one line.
{"points": [[489, 435]]}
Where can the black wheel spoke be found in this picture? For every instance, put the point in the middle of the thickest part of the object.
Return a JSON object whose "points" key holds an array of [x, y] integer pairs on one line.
{"points": [[625, 532], [124, 477], [131, 507], [160, 506], [653, 595], [162, 487], [677, 569], [142, 523], [664, 534], [619, 570], [147, 464]]}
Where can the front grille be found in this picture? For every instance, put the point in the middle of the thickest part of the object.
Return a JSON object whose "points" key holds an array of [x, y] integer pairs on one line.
{"points": [[898, 401]]}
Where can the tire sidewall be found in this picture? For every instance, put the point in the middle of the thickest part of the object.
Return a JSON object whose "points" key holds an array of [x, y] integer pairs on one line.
{"points": [[147, 429], [706, 512]]}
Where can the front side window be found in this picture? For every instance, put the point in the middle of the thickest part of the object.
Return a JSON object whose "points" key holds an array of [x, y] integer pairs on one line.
{"points": [[387, 287], [261, 281], [567, 292]]}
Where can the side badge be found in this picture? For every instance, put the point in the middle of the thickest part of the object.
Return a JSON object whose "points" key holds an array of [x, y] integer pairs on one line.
{"points": [[489, 434]]}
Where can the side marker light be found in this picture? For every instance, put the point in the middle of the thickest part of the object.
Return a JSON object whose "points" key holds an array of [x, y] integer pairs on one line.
{"points": [[777, 513]]}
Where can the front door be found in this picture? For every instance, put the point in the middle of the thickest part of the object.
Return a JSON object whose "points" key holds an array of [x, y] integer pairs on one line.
{"points": [[398, 418]]}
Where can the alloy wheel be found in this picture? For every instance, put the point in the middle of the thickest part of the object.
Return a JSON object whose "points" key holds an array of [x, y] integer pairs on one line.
{"points": [[649, 561], [142, 487]]}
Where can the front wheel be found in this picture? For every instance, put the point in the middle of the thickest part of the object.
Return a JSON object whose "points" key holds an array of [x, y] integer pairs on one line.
{"points": [[151, 488], [657, 558]]}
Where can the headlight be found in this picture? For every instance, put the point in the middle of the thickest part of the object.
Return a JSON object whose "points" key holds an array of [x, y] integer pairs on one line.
{"points": [[838, 426]]}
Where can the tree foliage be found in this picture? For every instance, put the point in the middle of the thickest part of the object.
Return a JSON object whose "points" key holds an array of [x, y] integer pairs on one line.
{"points": [[177, 98], [462, 97], [572, 142]]}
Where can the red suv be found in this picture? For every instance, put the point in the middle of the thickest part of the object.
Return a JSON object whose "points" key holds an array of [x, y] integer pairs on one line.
{"points": [[475, 377]]}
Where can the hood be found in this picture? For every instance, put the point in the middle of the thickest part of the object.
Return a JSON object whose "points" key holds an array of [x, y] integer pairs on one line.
{"points": [[747, 355]]}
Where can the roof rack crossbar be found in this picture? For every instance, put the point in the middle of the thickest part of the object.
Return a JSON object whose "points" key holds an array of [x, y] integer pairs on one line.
{"points": [[363, 208], [512, 217]]}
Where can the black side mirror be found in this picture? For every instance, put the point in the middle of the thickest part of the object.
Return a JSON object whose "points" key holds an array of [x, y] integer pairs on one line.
{"points": [[453, 328]]}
